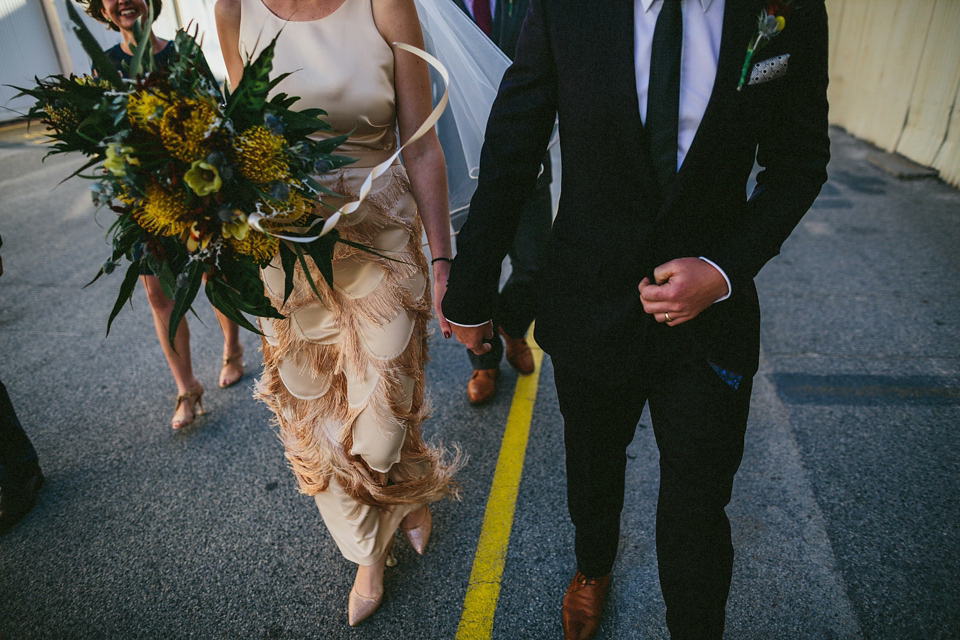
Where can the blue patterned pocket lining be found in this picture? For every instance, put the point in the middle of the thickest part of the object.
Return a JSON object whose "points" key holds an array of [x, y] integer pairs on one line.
{"points": [[731, 378]]}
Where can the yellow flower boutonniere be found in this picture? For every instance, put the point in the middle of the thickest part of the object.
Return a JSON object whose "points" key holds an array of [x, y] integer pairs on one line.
{"points": [[772, 21]]}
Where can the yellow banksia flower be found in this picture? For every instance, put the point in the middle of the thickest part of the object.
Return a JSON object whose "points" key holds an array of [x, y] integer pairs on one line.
{"points": [[145, 109], [259, 245], [163, 212], [62, 118], [184, 126], [63, 115], [126, 197], [260, 155], [289, 212], [93, 81]]}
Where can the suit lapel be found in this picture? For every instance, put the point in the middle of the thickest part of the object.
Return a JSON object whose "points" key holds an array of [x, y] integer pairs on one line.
{"points": [[619, 70], [739, 24]]}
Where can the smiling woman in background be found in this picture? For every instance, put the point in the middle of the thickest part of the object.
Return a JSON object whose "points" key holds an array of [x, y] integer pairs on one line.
{"points": [[121, 15]]}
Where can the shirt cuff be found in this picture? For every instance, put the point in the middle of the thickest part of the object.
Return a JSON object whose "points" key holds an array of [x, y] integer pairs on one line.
{"points": [[723, 273], [467, 326]]}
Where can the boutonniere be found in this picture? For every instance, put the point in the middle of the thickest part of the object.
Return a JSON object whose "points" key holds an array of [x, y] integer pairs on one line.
{"points": [[772, 21]]}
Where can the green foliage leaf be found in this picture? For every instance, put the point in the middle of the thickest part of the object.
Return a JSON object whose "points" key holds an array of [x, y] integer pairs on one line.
{"points": [[167, 278], [300, 124], [288, 261], [126, 291], [86, 166], [184, 296], [142, 60], [329, 144], [224, 298], [275, 81], [246, 104], [306, 269], [95, 278], [282, 100], [321, 250]]}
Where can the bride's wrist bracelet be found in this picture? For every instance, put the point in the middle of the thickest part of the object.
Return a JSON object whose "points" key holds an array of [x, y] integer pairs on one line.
{"points": [[441, 258]]}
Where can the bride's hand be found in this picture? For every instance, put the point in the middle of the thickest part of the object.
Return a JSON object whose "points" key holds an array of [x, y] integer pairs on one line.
{"points": [[441, 271]]}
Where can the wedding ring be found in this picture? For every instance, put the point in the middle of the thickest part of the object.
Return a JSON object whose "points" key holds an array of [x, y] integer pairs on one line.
{"points": [[666, 316]]}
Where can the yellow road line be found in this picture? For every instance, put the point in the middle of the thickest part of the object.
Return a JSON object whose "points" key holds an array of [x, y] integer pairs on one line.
{"points": [[483, 591]]}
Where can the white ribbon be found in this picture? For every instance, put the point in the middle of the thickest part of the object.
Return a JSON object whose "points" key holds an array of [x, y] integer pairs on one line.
{"points": [[377, 171]]}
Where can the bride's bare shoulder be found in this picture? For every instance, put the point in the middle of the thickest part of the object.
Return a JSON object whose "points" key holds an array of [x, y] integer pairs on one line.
{"points": [[396, 19]]}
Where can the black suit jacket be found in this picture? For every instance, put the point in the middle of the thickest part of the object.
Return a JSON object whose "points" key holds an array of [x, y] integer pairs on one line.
{"points": [[576, 58]]}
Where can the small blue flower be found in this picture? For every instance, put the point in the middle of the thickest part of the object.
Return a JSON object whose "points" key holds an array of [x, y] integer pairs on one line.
{"points": [[273, 123], [280, 191]]}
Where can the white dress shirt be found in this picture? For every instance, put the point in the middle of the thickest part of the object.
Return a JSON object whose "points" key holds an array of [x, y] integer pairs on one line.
{"points": [[702, 29]]}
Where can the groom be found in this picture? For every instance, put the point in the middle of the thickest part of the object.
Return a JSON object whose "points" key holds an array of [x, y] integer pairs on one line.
{"points": [[647, 293]]}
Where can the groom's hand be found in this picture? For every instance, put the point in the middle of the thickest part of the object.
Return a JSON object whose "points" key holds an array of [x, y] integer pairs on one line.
{"points": [[473, 337], [684, 288]]}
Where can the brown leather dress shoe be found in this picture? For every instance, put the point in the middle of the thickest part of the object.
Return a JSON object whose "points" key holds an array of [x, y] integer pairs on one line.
{"points": [[482, 385], [582, 606], [518, 354]]}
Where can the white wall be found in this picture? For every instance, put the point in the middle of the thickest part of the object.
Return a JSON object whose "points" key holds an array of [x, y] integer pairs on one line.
{"points": [[28, 48]]}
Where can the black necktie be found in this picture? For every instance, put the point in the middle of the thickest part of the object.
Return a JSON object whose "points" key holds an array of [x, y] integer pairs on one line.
{"points": [[663, 98]]}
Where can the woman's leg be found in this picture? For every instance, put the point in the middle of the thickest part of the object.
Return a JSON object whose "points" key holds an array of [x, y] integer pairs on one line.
{"points": [[362, 533], [232, 369], [178, 355]]}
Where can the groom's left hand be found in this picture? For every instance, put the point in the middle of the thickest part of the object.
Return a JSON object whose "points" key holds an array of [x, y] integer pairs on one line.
{"points": [[684, 288]]}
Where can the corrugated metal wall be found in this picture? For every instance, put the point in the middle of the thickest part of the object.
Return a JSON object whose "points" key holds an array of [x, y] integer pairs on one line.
{"points": [[895, 77], [26, 50]]}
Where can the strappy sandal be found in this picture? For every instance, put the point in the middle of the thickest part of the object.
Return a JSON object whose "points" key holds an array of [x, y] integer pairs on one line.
{"points": [[193, 398], [235, 359]]}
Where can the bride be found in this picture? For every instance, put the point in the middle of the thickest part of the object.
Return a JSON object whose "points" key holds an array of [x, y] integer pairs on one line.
{"points": [[344, 374]]}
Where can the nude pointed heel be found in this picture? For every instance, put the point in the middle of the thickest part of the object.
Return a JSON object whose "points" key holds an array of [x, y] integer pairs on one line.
{"points": [[419, 535], [359, 607]]}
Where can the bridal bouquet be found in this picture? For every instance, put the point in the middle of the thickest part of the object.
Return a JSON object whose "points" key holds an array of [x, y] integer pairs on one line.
{"points": [[202, 183]]}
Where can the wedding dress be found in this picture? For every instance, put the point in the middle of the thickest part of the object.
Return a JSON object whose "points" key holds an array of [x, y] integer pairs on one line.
{"points": [[344, 374]]}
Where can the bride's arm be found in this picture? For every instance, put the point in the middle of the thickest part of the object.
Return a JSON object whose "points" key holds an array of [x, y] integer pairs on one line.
{"points": [[398, 22], [227, 13]]}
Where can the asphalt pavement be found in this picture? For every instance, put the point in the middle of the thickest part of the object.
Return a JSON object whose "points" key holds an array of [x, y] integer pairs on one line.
{"points": [[845, 514]]}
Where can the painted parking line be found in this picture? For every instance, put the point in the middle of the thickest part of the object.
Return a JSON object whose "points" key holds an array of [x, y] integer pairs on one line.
{"points": [[483, 591]]}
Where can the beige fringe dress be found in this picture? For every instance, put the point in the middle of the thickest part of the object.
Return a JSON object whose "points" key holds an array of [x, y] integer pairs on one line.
{"points": [[344, 374]]}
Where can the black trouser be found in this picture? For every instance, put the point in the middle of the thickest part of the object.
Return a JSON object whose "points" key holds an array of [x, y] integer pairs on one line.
{"points": [[699, 423], [517, 304], [18, 458]]}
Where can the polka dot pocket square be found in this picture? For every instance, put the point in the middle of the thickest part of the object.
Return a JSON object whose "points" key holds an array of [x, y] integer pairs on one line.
{"points": [[769, 69]]}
